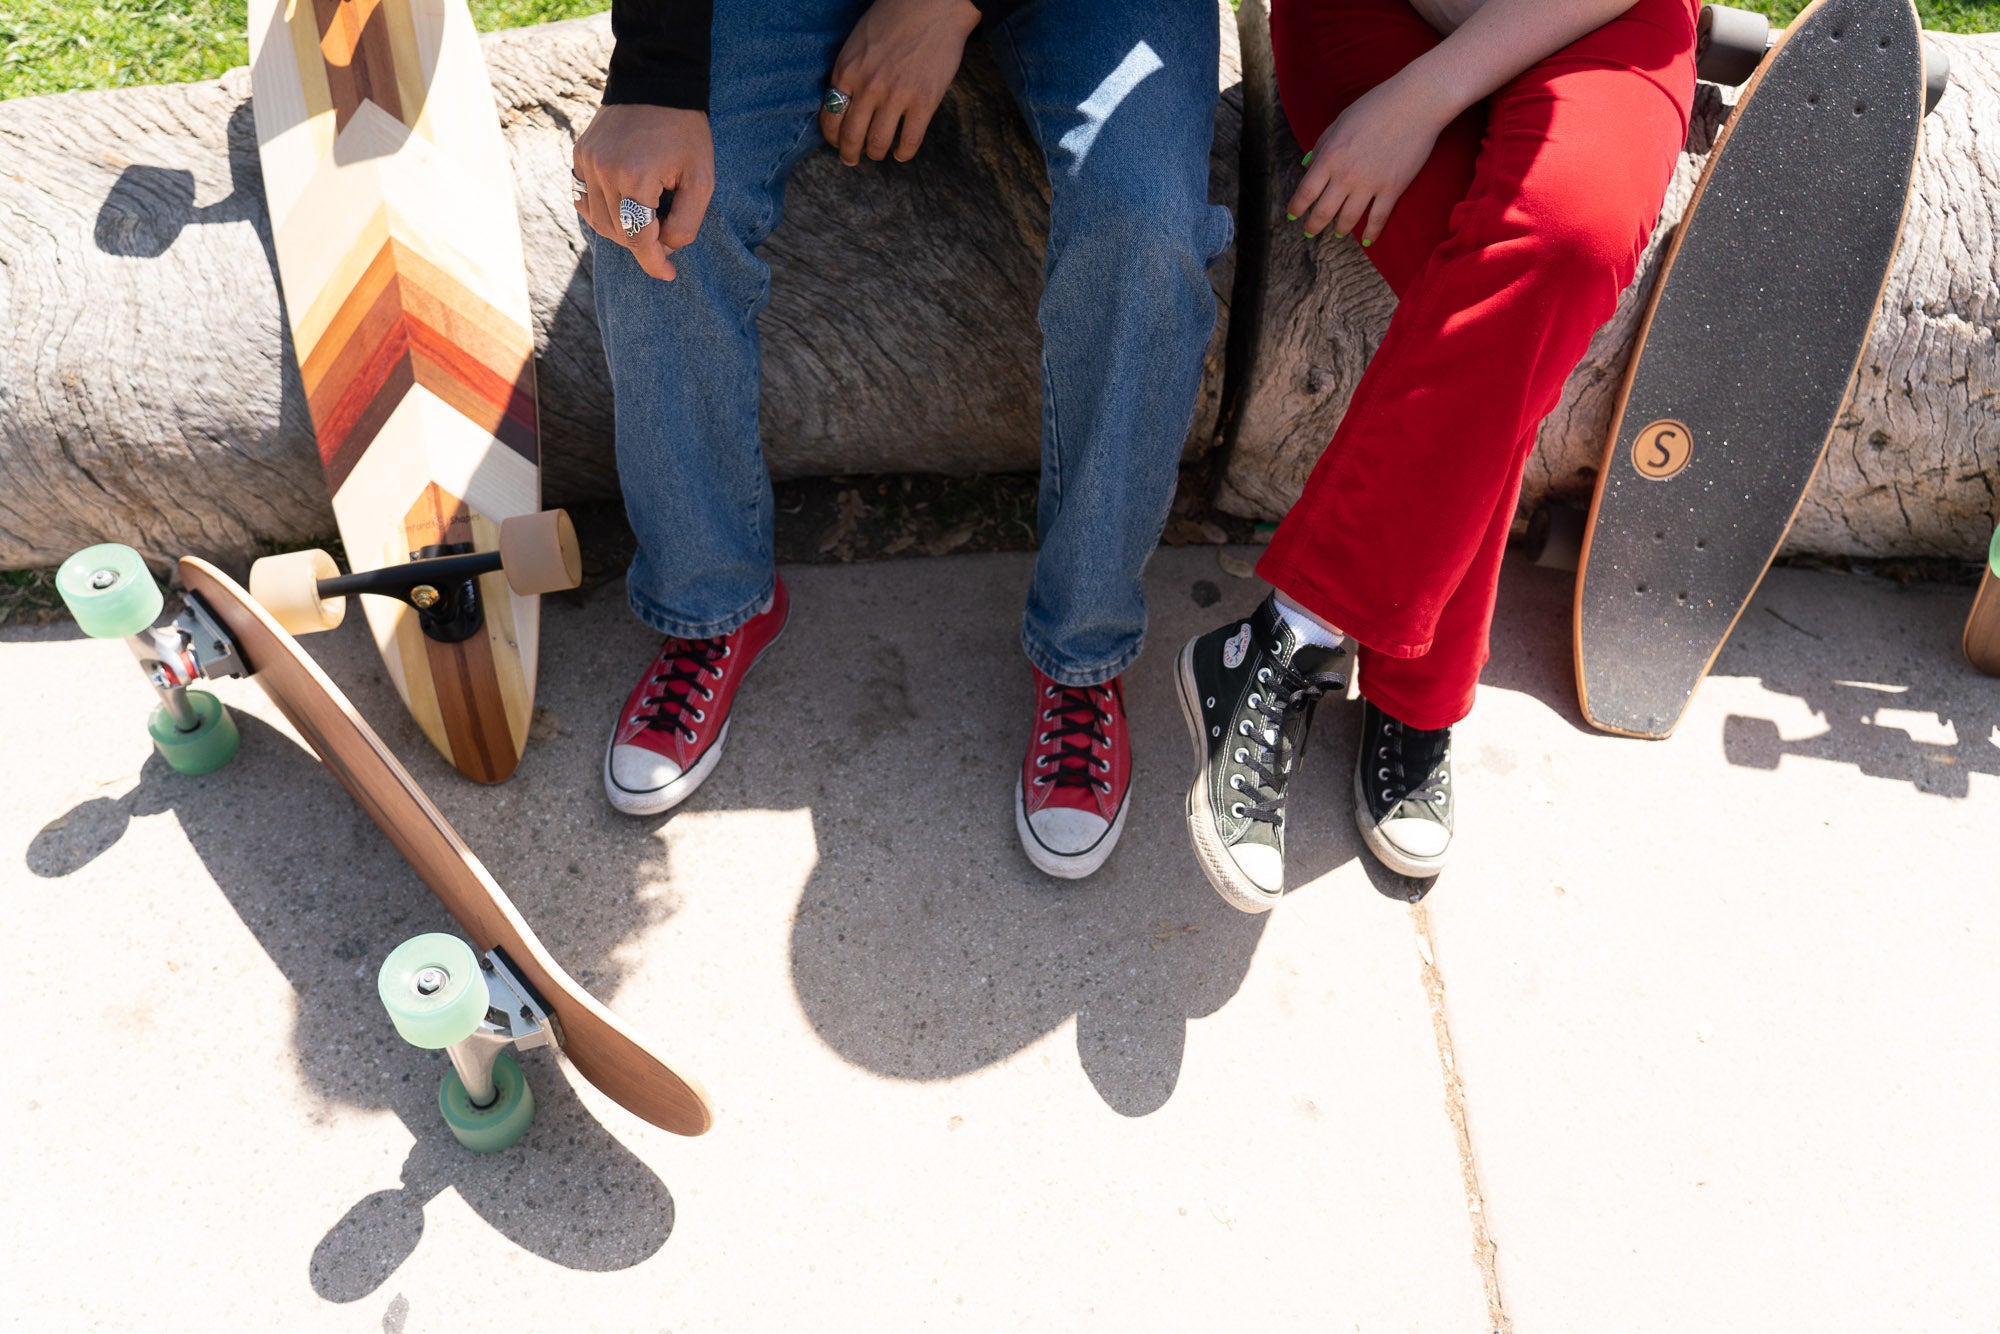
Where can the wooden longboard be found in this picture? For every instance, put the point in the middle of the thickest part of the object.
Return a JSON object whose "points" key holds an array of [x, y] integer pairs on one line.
{"points": [[1750, 342], [399, 249], [1982, 626], [603, 1050]]}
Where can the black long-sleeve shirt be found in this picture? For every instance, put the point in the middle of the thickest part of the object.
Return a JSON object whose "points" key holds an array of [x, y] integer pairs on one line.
{"points": [[661, 53]]}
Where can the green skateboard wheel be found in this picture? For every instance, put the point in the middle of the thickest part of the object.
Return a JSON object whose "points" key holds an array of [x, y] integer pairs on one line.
{"points": [[433, 989], [495, 1127], [207, 748], [1993, 554], [109, 590]]}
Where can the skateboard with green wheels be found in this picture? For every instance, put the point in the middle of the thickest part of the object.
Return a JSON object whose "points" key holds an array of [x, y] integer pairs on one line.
{"points": [[473, 1001]]}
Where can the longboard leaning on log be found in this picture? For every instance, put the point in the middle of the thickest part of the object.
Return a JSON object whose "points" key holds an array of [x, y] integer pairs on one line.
{"points": [[439, 992], [399, 250], [1756, 325]]}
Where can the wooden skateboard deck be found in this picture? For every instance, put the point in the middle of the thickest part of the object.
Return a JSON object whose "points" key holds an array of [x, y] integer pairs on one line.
{"points": [[399, 250], [603, 1050], [1751, 339], [1982, 626]]}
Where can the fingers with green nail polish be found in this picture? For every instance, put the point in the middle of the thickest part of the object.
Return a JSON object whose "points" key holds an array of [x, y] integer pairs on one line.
{"points": [[1307, 160]]}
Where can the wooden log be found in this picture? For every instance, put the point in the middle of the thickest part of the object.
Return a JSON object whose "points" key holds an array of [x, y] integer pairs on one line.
{"points": [[1914, 464], [149, 394]]}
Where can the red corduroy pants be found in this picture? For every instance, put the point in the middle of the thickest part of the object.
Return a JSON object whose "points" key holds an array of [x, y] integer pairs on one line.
{"points": [[1507, 252]]}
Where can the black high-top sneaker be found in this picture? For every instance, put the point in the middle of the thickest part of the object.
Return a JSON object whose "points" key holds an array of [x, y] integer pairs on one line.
{"points": [[1402, 793], [1248, 691]]}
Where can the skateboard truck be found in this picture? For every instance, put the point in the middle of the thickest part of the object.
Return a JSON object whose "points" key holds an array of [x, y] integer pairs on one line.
{"points": [[515, 1017], [305, 591], [114, 596], [189, 648], [440, 582], [443, 997]]}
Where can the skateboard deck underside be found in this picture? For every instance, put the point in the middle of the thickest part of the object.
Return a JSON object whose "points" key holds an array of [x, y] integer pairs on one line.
{"points": [[399, 250], [1759, 318], [593, 1038], [1982, 626]]}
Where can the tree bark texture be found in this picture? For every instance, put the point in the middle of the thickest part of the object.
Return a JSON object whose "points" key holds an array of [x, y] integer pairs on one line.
{"points": [[1914, 462], [149, 394]]}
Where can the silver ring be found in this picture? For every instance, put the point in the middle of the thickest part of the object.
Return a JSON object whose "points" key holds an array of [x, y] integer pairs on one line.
{"points": [[834, 102], [579, 189], [634, 217]]}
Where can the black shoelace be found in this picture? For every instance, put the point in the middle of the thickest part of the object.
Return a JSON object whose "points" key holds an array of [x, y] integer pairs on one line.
{"points": [[1080, 728], [684, 663], [1272, 756], [1403, 777]]}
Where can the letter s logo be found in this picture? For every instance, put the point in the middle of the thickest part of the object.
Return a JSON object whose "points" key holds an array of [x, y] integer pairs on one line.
{"points": [[1661, 449]]}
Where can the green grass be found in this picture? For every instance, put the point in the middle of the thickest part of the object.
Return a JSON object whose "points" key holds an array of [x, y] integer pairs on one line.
{"points": [[53, 46], [1938, 15]]}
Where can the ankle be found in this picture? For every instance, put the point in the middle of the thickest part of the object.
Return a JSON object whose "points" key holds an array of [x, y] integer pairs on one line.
{"points": [[1308, 627]]}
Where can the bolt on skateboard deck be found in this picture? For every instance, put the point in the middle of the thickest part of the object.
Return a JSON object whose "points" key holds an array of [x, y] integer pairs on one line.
{"points": [[399, 251], [474, 1002], [1745, 355]]}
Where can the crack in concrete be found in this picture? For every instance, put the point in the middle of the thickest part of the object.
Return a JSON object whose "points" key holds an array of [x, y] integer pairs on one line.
{"points": [[1484, 1252]]}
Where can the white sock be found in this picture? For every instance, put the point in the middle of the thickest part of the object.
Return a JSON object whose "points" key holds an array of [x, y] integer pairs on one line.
{"points": [[1303, 625]]}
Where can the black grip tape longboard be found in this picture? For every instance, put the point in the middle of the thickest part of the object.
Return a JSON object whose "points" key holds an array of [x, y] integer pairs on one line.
{"points": [[1750, 342]]}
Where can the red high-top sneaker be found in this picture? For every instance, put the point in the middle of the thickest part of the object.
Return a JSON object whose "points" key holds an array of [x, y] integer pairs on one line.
{"points": [[670, 733], [1069, 807]]}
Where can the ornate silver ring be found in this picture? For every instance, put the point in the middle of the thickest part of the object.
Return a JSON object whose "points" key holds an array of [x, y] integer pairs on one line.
{"points": [[834, 102], [579, 190], [634, 217]]}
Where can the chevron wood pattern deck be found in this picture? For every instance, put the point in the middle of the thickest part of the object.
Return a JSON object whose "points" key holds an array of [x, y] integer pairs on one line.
{"points": [[399, 251]]}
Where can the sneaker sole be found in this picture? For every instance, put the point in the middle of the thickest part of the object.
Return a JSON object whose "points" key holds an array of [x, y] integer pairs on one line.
{"points": [[662, 799], [1391, 856], [1067, 866], [1237, 890]]}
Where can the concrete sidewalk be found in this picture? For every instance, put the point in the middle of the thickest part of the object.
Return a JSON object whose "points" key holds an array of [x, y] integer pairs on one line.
{"points": [[1694, 1035]]}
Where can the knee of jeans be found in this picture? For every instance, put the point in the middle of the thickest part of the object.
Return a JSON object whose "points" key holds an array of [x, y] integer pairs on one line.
{"points": [[1145, 220]]}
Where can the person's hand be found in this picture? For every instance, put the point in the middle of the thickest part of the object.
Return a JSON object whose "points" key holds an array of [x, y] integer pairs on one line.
{"points": [[641, 152], [1366, 159], [894, 68]]}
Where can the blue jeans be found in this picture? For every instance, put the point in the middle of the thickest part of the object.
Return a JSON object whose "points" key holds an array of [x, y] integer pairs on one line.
{"points": [[1121, 97]]}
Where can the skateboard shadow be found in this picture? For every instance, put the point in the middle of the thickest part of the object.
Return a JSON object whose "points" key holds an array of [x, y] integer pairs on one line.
{"points": [[327, 897], [1895, 700]]}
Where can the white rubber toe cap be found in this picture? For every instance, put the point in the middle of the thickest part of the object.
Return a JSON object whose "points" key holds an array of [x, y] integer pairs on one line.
{"points": [[1064, 842], [1065, 831], [1425, 840], [638, 770], [1263, 864]]}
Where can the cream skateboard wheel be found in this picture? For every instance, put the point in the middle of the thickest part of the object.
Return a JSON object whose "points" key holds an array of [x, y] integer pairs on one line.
{"points": [[288, 587], [538, 553]]}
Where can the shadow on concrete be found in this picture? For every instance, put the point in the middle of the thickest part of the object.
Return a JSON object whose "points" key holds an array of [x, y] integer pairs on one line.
{"points": [[925, 946], [1878, 663], [1907, 709], [327, 897]]}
